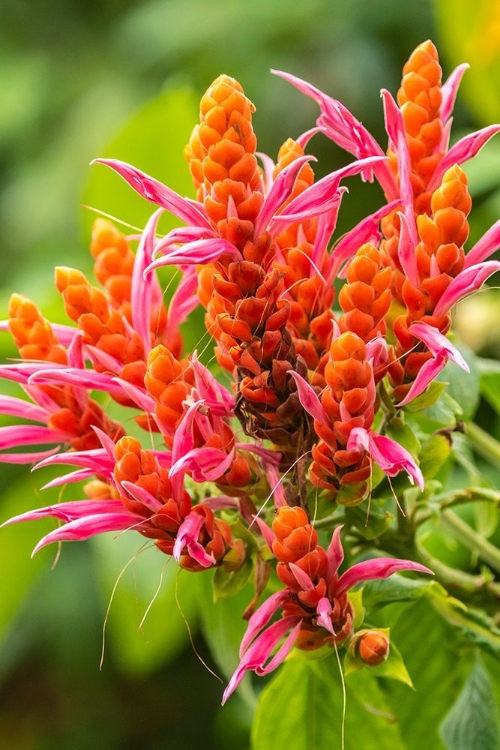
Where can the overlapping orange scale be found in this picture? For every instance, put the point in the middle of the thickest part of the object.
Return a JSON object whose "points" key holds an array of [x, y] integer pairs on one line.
{"points": [[32, 333]]}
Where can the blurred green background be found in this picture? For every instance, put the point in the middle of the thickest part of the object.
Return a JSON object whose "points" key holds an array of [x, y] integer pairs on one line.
{"points": [[122, 78]]}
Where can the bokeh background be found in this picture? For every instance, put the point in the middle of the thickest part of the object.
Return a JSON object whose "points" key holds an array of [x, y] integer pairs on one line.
{"points": [[122, 78]]}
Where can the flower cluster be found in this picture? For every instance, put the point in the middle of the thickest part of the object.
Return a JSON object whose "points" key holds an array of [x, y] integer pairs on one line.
{"points": [[302, 415]]}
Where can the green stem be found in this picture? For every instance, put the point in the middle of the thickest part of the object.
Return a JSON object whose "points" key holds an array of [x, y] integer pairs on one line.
{"points": [[422, 512], [483, 443], [457, 579], [471, 539]]}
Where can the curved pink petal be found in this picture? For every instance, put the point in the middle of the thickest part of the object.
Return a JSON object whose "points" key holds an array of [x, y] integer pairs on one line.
{"points": [[260, 650], [467, 281], [262, 616], [486, 246], [406, 252], [379, 567], [367, 230], [84, 528], [335, 552], [324, 610], [389, 455], [26, 434], [18, 407], [26, 458], [280, 191], [437, 343], [187, 536], [309, 399], [142, 286], [142, 496], [154, 191], [69, 511], [302, 578], [428, 372], [449, 90], [200, 251], [466, 148]]}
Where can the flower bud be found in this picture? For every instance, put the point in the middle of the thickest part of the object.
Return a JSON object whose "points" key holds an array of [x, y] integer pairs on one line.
{"points": [[372, 646]]}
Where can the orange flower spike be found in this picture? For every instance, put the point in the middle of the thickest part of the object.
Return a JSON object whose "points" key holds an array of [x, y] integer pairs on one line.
{"points": [[366, 297], [114, 262], [420, 100], [169, 383], [231, 175], [193, 154], [32, 333], [295, 537], [79, 296]]}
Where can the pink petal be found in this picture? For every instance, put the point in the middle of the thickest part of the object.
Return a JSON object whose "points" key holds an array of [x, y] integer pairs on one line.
{"points": [[256, 656], [184, 301], [18, 407], [428, 372], [389, 455], [466, 148], [187, 536], [26, 458], [437, 343], [26, 434], [142, 496], [467, 281], [96, 459], [280, 191], [324, 610], [397, 134], [365, 231], [201, 251], [73, 476], [486, 246], [309, 399], [88, 379], [406, 252], [84, 528], [266, 532], [69, 511], [335, 553], [379, 567], [262, 616], [142, 288], [322, 195], [302, 578], [154, 191], [137, 395], [449, 90]]}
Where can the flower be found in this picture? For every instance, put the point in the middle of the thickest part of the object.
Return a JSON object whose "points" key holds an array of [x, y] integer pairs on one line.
{"points": [[314, 606]]}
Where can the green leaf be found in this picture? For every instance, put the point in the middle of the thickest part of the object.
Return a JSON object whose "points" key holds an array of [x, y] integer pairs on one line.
{"points": [[397, 588], [404, 435], [472, 720], [223, 627], [228, 584], [435, 452], [490, 389], [302, 708], [150, 579], [441, 415], [463, 386], [437, 662], [370, 525], [426, 399], [474, 625]]}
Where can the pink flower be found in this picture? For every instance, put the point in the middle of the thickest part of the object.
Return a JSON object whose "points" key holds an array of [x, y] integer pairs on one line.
{"points": [[321, 612]]}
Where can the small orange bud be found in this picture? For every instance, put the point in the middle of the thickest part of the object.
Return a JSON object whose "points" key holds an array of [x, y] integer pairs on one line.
{"points": [[372, 646]]}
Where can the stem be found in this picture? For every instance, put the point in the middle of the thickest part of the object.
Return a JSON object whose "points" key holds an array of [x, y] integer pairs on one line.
{"points": [[483, 443], [457, 579], [456, 497], [471, 539]]}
